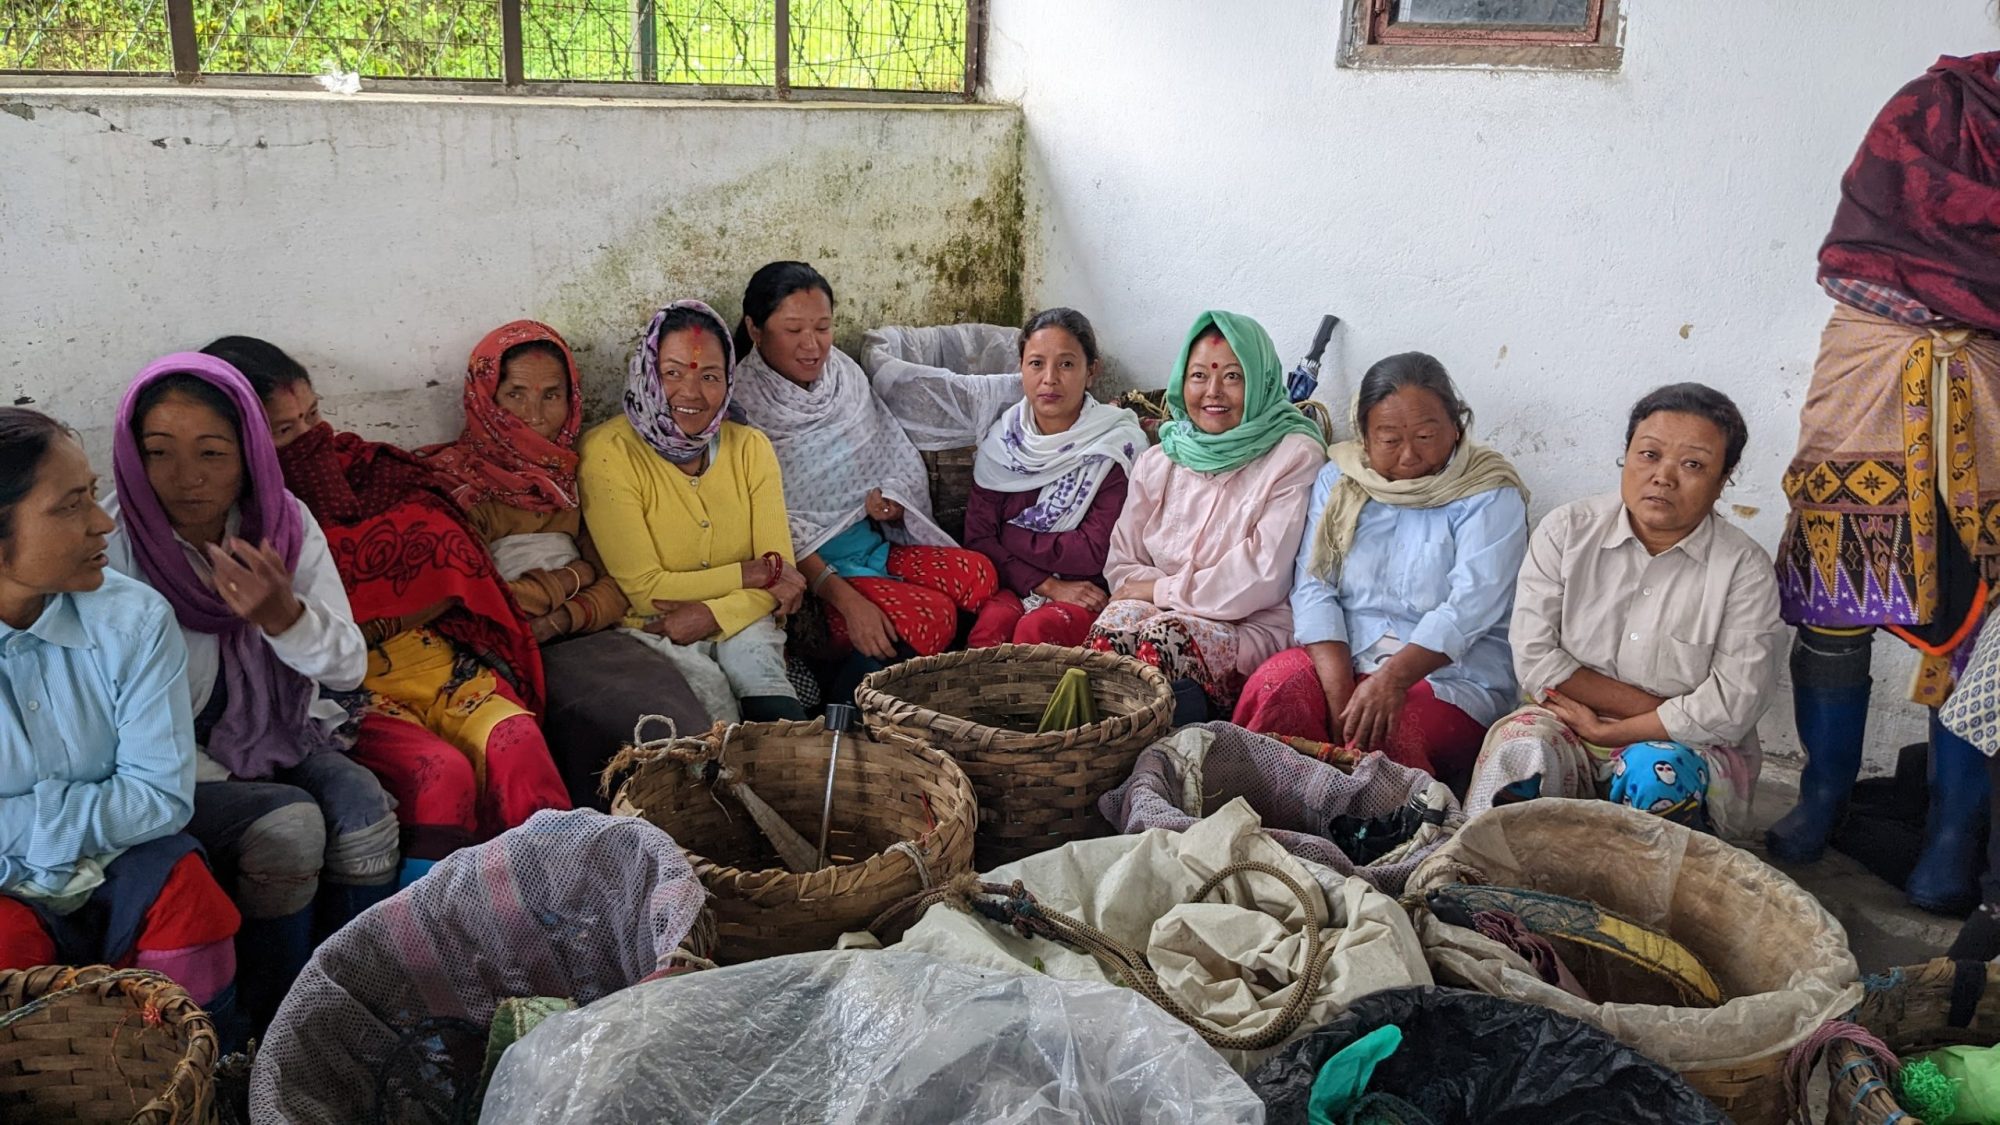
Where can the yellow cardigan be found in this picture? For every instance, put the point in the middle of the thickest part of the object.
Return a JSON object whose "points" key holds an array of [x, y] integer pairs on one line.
{"points": [[666, 535]]}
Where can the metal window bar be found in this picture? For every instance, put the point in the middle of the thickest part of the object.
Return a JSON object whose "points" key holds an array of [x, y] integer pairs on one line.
{"points": [[743, 48]]}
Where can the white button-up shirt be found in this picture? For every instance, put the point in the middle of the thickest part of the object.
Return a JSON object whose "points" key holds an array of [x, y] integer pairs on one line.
{"points": [[1696, 624]]}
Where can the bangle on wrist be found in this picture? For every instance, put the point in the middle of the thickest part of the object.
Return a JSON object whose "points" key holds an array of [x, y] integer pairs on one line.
{"points": [[827, 571], [776, 563]]}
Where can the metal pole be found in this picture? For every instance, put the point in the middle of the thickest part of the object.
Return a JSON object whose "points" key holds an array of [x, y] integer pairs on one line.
{"points": [[975, 46], [782, 74], [513, 71], [646, 40], [838, 717], [180, 32]]}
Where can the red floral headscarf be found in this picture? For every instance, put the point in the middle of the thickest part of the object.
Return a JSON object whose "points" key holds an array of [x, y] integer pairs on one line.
{"points": [[497, 457]]}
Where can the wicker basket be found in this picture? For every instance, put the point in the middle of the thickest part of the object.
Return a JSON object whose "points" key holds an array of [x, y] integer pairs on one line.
{"points": [[1910, 1010], [106, 1045], [902, 821], [1781, 960], [1036, 791]]}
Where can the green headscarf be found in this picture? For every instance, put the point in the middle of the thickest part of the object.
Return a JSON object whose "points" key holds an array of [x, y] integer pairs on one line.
{"points": [[1268, 415]]}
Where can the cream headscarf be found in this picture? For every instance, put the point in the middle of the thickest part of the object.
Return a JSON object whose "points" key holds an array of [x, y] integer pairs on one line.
{"points": [[1473, 469]]}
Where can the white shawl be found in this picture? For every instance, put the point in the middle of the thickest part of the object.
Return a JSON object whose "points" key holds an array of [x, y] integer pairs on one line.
{"points": [[835, 441], [1068, 467]]}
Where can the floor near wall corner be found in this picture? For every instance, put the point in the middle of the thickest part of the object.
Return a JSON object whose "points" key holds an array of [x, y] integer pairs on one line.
{"points": [[1883, 929]]}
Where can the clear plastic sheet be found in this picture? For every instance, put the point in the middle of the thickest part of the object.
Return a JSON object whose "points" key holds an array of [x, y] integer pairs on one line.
{"points": [[861, 1036]]}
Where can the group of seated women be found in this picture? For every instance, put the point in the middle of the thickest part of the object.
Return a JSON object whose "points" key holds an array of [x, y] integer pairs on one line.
{"points": [[355, 658]]}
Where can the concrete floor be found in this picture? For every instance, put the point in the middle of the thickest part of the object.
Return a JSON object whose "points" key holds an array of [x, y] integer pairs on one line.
{"points": [[1882, 929]]}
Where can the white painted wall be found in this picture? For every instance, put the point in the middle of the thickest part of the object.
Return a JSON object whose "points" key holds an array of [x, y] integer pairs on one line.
{"points": [[377, 238], [1562, 241]]}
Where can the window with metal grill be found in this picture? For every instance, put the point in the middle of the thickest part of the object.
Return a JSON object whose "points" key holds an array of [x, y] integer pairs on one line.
{"points": [[728, 48]]}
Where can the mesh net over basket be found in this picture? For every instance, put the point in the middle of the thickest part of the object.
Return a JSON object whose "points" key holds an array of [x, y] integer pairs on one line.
{"points": [[389, 1020], [104, 1045], [1942, 1003], [1036, 791], [902, 821]]}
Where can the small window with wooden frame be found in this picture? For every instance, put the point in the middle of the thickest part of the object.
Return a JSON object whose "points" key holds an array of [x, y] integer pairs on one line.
{"points": [[1529, 34]]}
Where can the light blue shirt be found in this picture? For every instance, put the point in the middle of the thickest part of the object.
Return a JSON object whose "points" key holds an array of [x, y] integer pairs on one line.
{"points": [[1442, 578], [96, 732]]}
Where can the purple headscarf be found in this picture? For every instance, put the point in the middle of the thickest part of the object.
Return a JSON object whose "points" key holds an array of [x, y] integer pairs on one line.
{"points": [[265, 724], [646, 403]]}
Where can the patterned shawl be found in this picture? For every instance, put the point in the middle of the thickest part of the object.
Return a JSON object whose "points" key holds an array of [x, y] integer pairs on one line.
{"points": [[1268, 413], [266, 722], [1473, 469], [497, 456], [835, 441], [402, 547], [646, 404], [1920, 206], [1068, 467]]}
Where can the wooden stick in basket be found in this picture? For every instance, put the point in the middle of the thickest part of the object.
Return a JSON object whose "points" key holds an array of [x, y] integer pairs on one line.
{"points": [[1333, 754], [797, 854]]}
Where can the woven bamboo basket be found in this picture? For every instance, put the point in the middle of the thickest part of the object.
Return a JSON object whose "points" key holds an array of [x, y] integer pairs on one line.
{"points": [[1036, 791], [903, 818], [1753, 928], [103, 1044], [1911, 1011]]}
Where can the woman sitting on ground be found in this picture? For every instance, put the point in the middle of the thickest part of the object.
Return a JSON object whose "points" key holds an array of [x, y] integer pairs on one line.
{"points": [[1403, 586], [856, 492], [692, 518], [285, 814], [454, 675], [513, 470], [1647, 628], [1048, 485], [1201, 559], [96, 742]]}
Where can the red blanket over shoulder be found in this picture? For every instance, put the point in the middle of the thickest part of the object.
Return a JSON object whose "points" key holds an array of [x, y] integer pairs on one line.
{"points": [[402, 547]]}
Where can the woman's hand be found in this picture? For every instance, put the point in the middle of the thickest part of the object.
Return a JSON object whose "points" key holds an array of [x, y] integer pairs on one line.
{"points": [[255, 584], [1085, 594], [1370, 715], [1133, 591], [870, 630], [756, 573], [790, 590], [683, 623], [556, 623], [1587, 724], [881, 509]]}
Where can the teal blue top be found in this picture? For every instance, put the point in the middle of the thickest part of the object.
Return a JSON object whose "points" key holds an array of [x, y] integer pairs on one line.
{"points": [[858, 552]]}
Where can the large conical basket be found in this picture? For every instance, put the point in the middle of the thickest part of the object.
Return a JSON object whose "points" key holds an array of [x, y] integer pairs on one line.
{"points": [[1036, 791], [902, 821]]}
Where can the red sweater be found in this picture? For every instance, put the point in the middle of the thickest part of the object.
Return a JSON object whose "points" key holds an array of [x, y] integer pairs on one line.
{"points": [[1025, 559]]}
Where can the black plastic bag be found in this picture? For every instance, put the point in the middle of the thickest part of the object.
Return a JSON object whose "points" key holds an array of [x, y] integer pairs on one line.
{"points": [[1471, 1058]]}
